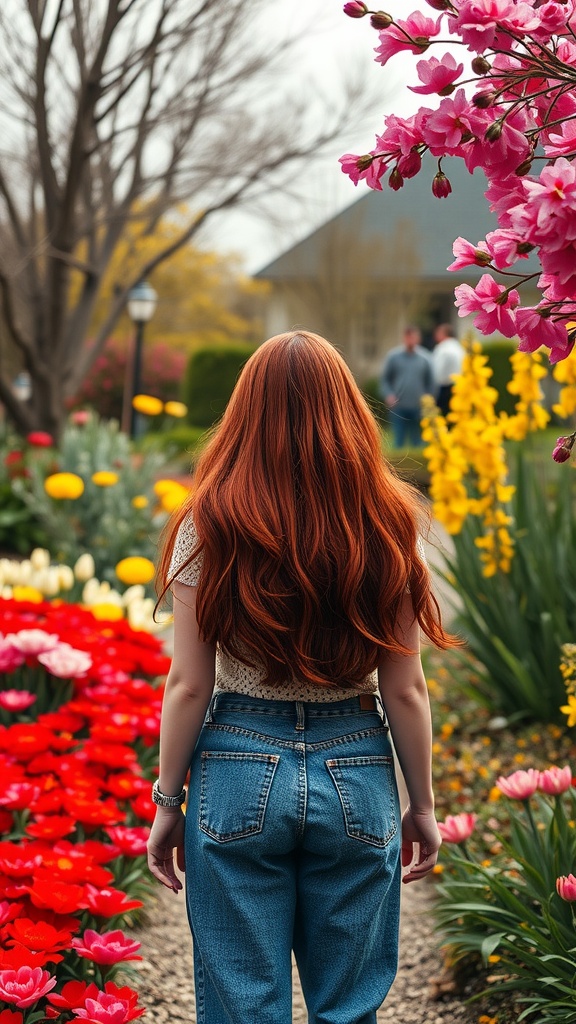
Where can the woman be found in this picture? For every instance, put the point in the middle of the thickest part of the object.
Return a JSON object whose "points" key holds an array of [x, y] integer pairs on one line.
{"points": [[299, 592]]}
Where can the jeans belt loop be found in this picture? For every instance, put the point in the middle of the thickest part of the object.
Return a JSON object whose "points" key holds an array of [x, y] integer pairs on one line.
{"points": [[211, 708]]}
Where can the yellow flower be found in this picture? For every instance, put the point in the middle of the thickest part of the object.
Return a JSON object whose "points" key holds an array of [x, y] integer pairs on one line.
{"points": [[177, 409], [570, 710], [494, 794], [173, 498], [23, 593], [135, 569], [106, 611], [139, 501], [162, 486], [105, 478], [437, 869], [148, 405], [64, 485]]}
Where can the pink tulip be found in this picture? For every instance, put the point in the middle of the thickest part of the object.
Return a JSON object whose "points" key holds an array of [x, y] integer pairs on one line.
{"points": [[25, 986], [520, 785], [16, 700], [457, 827], [566, 888], [65, 662], [107, 947], [32, 641], [555, 780]]}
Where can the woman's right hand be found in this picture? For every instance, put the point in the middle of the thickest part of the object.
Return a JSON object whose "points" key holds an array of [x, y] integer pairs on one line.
{"points": [[419, 827]]}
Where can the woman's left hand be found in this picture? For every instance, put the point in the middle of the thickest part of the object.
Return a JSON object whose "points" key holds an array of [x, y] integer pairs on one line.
{"points": [[167, 835]]}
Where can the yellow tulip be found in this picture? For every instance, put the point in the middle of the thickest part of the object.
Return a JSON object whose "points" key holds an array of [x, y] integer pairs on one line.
{"points": [[162, 486], [148, 405], [135, 569], [177, 409], [107, 612], [24, 593], [64, 485], [105, 478]]}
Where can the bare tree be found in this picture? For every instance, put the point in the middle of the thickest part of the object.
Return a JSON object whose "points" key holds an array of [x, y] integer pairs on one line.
{"points": [[108, 107]]}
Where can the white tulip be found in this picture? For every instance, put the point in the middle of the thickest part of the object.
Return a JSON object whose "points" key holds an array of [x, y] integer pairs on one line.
{"points": [[91, 592], [25, 571], [40, 558], [6, 592], [65, 577], [134, 593], [84, 568]]}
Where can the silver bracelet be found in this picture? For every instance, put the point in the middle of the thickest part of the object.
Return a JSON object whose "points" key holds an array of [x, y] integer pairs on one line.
{"points": [[162, 800]]}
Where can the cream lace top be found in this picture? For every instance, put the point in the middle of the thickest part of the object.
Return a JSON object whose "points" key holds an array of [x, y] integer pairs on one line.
{"points": [[233, 675]]}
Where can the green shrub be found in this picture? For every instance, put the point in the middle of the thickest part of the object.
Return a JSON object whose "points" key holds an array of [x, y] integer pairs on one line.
{"points": [[499, 352], [211, 374], [181, 441]]}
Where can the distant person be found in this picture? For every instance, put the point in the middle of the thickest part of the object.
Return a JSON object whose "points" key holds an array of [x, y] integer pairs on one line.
{"points": [[447, 358], [407, 375]]}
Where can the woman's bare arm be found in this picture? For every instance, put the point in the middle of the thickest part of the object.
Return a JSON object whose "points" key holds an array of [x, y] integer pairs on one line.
{"points": [[405, 697], [189, 687]]}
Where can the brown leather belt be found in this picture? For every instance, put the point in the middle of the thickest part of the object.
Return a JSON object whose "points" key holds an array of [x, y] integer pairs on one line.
{"points": [[368, 702]]}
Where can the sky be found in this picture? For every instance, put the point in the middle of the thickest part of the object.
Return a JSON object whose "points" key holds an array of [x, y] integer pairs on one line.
{"points": [[330, 43]]}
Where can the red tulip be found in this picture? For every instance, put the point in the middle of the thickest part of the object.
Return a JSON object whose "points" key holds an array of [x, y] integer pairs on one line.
{"points": [[109, 902], [40, 439]]}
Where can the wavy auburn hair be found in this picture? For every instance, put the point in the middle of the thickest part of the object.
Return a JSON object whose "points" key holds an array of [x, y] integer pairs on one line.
{"points": [[308, 538]]}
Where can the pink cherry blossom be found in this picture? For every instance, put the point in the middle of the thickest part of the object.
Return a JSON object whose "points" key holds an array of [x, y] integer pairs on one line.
{"points": [[25, 986], [562, 141], [457, 827], [520, 785], [491, 302], [412, 34], [66, 662], [409, 165], [477, 21], [503, 247], [555, 780], [468, 255], [502, 155], [437, 76], [107, 947], [16, 700], [505, 195], [535, 330], [401, 134], [443, 129], [566, 888]]}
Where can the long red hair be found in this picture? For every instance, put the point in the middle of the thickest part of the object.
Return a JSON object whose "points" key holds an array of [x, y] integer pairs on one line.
{"points": [[308, 538]]}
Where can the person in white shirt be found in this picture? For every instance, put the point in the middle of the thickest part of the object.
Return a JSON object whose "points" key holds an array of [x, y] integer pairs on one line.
{"points": [[447, 358]]}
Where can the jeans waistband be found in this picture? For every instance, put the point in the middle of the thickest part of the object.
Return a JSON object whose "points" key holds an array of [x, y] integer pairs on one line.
{"points": [[363, 703]]}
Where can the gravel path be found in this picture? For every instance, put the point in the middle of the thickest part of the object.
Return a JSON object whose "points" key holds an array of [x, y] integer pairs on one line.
{"points": [[166, 972]]}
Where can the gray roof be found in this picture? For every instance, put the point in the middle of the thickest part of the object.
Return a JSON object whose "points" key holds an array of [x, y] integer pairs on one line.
{"points": [[411, 216]]}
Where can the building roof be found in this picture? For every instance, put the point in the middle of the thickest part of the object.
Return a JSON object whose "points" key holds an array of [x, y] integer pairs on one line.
{"points": [[412, 213]]}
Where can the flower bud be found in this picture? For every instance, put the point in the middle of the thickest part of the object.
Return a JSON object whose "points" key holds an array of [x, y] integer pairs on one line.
{"points": [[422, 42], [483, 100], [480, 66], [40, 558], [409, 165], [563, 448], [381, 20], [441, 187], [525, 247], [494, 132], [355, 10], [524, 167], [395, 180], [439, 5]]}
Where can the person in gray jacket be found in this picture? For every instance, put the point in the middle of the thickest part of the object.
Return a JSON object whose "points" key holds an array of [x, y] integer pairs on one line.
{"points": [[407, 375]]}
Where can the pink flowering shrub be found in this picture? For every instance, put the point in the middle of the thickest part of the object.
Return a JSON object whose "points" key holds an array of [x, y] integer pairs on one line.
{"points": [[508, 895], [509, 107], [103, 388]]}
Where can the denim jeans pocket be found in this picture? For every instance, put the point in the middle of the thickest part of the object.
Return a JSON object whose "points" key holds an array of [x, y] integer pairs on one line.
{"points": [[234, 791], [366, 787]]}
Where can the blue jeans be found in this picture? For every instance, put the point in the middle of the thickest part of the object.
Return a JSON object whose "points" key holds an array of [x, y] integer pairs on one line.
{"points": [[405, 427], [292, 843]]}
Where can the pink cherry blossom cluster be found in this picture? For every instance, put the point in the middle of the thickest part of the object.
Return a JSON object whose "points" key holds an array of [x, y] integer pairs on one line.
{"points": [[511, 109]]}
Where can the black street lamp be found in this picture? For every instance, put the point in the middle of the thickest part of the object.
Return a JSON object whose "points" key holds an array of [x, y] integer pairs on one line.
{"points": [[141, 304]]}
